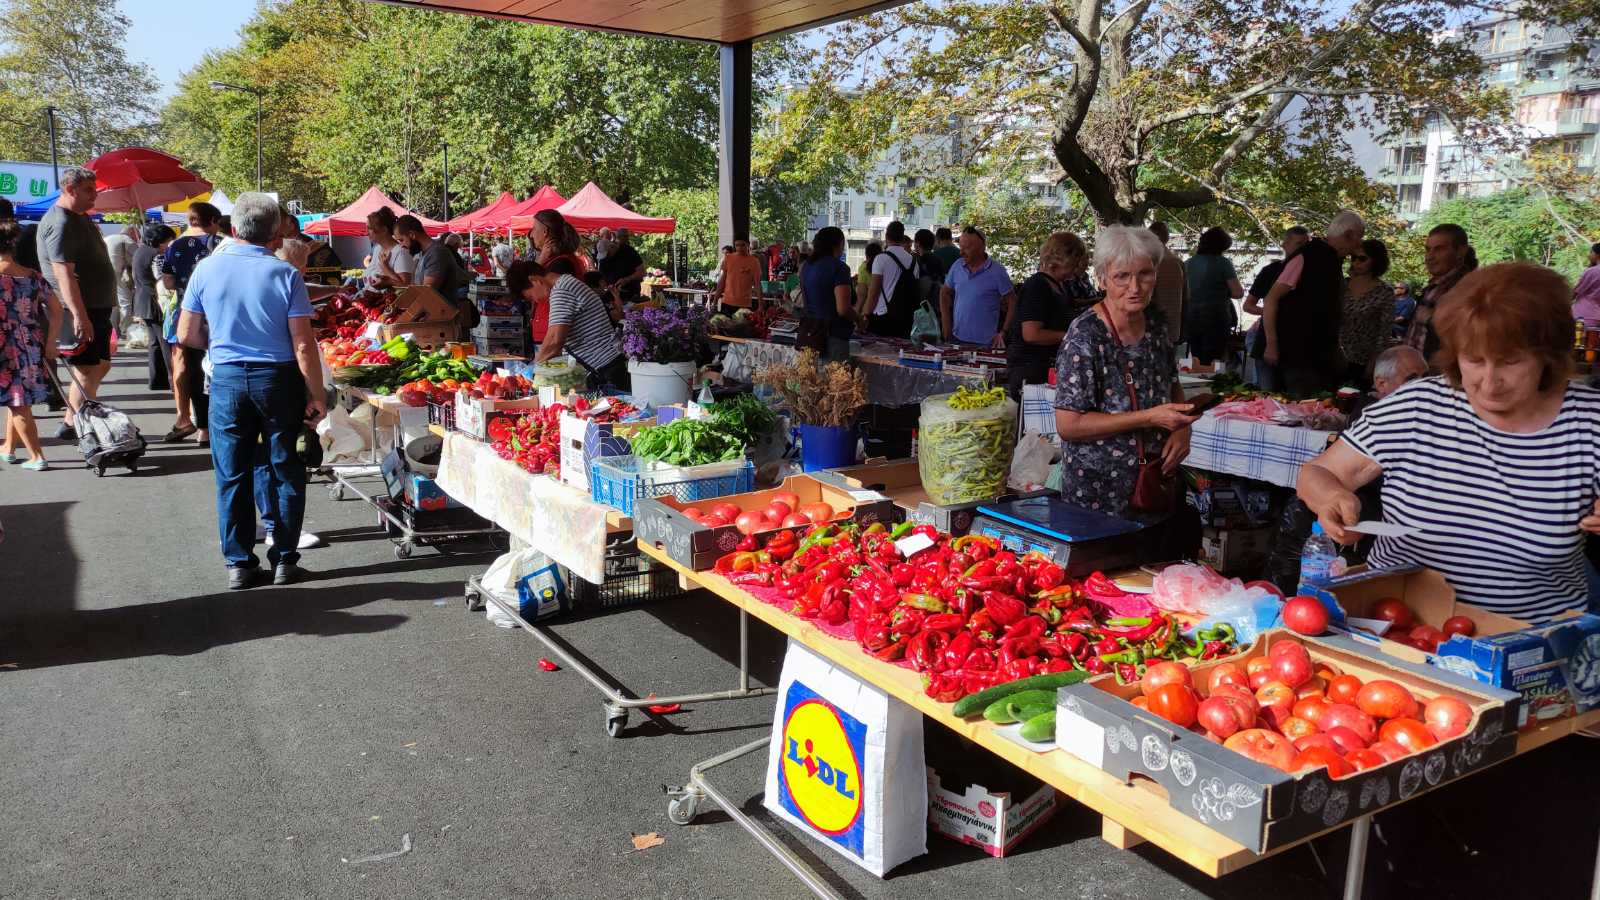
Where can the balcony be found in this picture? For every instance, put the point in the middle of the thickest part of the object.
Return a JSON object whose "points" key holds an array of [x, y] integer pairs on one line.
{"points": [[1578, 121]]}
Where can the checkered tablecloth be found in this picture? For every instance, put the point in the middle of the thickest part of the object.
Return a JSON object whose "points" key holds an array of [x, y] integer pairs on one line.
{"points": [[1270, 453]]}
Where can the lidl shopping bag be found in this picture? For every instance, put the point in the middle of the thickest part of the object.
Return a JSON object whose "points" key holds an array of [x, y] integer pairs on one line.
{"points": [[846, 764]]}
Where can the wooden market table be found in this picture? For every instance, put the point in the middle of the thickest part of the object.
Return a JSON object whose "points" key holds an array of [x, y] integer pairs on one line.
{"points": [[1132, 813]]}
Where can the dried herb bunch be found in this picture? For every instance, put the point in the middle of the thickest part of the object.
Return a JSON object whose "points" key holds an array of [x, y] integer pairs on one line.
{"points": [[828, 396]]}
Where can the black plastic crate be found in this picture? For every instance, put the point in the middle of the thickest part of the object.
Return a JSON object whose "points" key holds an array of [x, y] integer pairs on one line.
{"points": [[442, 414], [631, 578]]}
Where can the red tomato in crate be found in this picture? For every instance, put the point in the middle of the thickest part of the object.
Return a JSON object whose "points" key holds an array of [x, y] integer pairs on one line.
{"points": [[777, 510], [749, 522], [1293, 669], [1311, 710], [1385, 699], [795, 520], [1295, 727], [1305, 615], [1395, 612], [1346, 739], [1160, 673], [1225, 715], [1226, 673], [788, 497], [1427, 637], [1257, 664], [1317, 740], [818, 513], [1459, 625], [1263, 746], [1176, 703], [1408, 733], [1343, 689], [1389, 750], [1446, 717], [726, 510], [1361, 760], [1347, 716], [1322, 757], [694, 512]]}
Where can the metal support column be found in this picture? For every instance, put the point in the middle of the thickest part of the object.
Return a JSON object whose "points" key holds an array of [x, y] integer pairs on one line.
{"points": [[733, 145]]}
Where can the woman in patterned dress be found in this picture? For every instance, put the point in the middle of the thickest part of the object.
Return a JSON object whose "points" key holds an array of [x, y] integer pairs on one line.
{"points": [[1120, 338], [1367, 315], [27, 306]]}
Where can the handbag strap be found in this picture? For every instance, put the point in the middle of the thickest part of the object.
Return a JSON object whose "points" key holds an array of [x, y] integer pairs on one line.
{"points": [[1127, 375]]}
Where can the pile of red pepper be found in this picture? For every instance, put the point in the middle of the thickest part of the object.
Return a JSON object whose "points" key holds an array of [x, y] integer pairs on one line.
{"points": [[963, 611], [532, 440], [344, 316]]}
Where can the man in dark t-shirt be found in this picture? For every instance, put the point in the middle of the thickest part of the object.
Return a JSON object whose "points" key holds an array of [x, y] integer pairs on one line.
{"points": [[73, 258], [622, 270]]}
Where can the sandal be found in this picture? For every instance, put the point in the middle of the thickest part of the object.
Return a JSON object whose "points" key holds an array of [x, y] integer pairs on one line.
{"points": [[178, 433]]}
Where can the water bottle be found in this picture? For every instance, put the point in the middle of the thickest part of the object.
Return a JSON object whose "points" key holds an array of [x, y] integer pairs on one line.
{"points": [[1320, 561]]}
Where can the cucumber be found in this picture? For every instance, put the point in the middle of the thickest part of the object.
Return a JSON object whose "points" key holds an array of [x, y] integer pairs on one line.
{"points": [[1022, 712], [999, 711], [976, 703], [1040, 729]]}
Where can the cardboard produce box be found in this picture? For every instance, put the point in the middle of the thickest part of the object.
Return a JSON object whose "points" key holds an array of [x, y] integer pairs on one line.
{"points": [[1260, 806], [583, 440], [995, 820], [660, 520], [430, 319], [901, 482], [473, 414]]}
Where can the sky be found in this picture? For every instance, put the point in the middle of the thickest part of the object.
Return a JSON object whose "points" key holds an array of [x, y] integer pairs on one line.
{"points": [[171, 37]]}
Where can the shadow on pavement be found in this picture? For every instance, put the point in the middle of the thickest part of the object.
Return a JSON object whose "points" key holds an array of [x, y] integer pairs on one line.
{"points": [[37, 533]]}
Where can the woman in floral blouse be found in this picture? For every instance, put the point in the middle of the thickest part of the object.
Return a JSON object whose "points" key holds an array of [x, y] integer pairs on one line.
{"points": [[1121, 338], [30, 319], [1368, 313]]}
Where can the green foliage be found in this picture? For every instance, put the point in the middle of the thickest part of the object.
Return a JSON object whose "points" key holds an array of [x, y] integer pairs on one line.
{"points": [[1522, 224], [69, 54]]}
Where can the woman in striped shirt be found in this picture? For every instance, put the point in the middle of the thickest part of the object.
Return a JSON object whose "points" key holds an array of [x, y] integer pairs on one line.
{"points": [[580, 324], [1496, 464]]}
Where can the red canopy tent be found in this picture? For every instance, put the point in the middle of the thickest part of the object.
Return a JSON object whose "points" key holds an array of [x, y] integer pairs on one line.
{"points": [[591, 210], [543, 199], [478, 219], [352, 220]]}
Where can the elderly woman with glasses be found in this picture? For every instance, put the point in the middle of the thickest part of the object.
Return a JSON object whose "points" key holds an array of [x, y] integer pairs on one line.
{"points": [[1118, 402], [1491, 467]]}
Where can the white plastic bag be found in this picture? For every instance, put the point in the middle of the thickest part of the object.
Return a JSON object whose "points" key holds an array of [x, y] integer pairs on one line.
{"points": [[501, 579], [1030, 464], [342, 440], [846, 764]]}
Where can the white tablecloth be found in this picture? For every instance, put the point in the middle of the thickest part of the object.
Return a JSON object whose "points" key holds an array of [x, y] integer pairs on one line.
{"points": [[538, 510], [1270, 453]]}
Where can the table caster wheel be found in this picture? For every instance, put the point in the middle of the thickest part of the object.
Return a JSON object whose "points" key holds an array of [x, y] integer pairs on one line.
{"points": [[402, 551], [336, 491], [616, 720], [682, 810], [100, 471], [474, 601]]}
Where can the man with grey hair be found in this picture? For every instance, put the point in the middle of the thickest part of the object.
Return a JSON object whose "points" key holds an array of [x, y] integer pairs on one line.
{"points": [[1301, 320], [1396, 366], [73, 258], [266, 384]]}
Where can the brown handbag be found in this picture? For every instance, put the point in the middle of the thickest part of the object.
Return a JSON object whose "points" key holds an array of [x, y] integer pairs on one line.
{"points": [[1153, 490]]}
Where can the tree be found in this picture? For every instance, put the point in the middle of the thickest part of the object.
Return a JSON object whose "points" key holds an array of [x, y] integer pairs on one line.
{"points": [[69, 54], [1153, 107], [1519, 224]]}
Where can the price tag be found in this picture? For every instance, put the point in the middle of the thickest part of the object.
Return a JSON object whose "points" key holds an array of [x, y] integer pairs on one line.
{"points": [[372, 331], [1080, 737], [603, 406], [911, 546]]}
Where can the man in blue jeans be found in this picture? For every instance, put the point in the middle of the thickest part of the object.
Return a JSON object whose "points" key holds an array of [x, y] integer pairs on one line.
{"points": [[265, 384]]}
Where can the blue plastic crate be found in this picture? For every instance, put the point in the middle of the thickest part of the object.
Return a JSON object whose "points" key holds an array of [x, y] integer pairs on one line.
{"points": [[618, 481]]}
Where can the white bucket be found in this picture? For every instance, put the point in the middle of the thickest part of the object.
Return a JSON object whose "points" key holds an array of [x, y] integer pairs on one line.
{"points": [[661, 384]]}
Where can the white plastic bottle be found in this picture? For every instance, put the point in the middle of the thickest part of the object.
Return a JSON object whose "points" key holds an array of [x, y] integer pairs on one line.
{"points": [[1320, 561]]}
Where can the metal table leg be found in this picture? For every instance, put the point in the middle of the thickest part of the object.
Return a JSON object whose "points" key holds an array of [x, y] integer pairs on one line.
{"points": [[617, 701], [685, 802], [1594, 886], [1356, 866]]}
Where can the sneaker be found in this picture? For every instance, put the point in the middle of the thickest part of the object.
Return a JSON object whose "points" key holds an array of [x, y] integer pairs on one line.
{"points": [[309, 539], [10, 458], [244, 577], [35, 465], [287, 573], [66, 433]]}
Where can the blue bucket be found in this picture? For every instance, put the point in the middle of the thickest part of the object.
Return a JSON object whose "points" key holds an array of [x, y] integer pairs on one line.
{"points": [[823, 447]]}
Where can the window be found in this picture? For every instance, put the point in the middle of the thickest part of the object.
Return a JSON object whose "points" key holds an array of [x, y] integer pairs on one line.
{"points": [[1410, 197], [841, 213], [875, 208], [1446, 192]]}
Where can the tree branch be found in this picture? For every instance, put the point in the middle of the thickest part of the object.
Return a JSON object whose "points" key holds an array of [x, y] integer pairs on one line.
{"points": [[1268, 117]]}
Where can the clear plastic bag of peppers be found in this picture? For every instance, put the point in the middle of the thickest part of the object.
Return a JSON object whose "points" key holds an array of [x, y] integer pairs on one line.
{"points": [[963, 611]]}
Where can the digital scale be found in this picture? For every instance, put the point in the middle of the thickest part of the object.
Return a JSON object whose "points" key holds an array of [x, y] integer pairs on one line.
{"points": [[1080, 540]]}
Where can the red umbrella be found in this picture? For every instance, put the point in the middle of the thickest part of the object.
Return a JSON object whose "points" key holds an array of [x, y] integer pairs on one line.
{"points": [[139, 178]]}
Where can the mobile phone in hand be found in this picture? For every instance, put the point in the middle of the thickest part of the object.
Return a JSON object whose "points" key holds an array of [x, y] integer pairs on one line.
{"points": [[1202, 402]]}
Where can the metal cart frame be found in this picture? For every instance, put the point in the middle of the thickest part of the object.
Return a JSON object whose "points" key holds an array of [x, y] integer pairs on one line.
{"points": [[619, 701]]}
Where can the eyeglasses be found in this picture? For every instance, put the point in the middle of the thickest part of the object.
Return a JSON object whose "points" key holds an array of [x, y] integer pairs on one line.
{"points": [[1123, 279]]}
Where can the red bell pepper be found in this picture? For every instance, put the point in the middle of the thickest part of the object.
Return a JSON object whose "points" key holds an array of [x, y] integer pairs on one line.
{"points": [[958, 650], [951, 622], [890, 652], [906, 621], [1027, 626], [1003, 608], [1012, 649], [945, 687], [1019, 668], [876, 634], [926, 649], [1058, 665], [972, 682]]}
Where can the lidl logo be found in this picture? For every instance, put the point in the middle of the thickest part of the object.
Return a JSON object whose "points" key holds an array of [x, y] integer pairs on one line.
{"points": [[819, 769]]}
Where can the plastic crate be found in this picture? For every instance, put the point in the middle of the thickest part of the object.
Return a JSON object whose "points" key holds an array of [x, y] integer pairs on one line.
{"points": [[443, 414], [618, 481], [631, 578]]}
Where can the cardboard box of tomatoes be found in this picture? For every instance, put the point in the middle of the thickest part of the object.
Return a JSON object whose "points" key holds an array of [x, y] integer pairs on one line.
{"points": [[1429, 625], [1368, 731], [696, 534]]}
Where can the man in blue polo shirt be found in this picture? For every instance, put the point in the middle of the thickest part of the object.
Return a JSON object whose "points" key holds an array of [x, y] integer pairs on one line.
{"points": [[253, 311], [976, 291]]}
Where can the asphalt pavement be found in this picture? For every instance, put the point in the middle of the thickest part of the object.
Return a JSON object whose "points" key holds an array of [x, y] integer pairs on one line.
{"points": [[161, 736]]}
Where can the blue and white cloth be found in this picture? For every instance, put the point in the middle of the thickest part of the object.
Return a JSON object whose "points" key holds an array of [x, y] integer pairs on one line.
{"points": [[1270, 453]]}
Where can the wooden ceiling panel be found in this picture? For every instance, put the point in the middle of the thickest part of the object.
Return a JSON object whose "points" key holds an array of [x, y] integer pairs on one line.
{"points": [[717, 21]]}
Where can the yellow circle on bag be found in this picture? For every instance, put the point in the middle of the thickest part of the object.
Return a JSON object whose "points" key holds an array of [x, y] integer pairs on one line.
{"points": [[820, 768]]}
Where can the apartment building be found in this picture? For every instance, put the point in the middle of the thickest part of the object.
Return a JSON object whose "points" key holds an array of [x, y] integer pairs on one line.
{"points": [[1555, 84]]}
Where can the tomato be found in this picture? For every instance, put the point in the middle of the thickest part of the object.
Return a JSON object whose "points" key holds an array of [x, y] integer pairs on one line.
{"points": [[1240, 694], [1225, 716], [788, 497], [1361, 760], [1141, 701], [1225, 673], [818, 513], [713, 520], [1281, 647], [1160, 673], [1385, 699], [1328, 671], [1446, 717], [777, 510], [1389, 750], [1322, 757], [726, 510], [1347, 716], [1264, 747], [1346, 739], [1260, 678], [1317, 740], [1257, 664], [794, 520], [1316, 687], [1294, 727], [749, 522], [1277, 695], [1343, 689], [1460, 625], [1427, 637], [1393, 611], [1311, 709], [1293, 669], [1305, 615], [1408, 733], [1176, 703]]}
